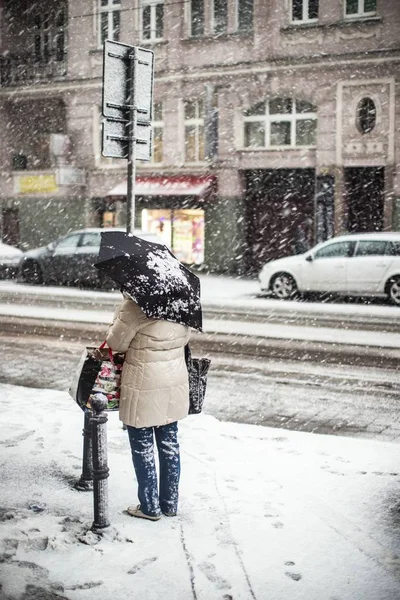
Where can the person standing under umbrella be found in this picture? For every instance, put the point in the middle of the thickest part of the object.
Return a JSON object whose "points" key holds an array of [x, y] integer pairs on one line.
{"points": [[154, 396], [161, 301]]}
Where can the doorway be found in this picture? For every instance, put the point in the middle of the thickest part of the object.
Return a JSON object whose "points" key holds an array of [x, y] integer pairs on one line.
{"points": [[10, 226], [364, 189], [279, 214]]}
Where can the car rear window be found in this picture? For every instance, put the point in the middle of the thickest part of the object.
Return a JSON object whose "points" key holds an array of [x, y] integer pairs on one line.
{"points": [[371, 248], [393, 249]]}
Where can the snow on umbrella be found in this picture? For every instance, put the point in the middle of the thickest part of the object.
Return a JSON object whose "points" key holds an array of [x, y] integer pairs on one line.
{"points": [[152, 276]]}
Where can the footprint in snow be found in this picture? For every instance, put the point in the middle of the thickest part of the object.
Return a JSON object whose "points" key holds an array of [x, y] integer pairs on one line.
{"points": [[294, 576], [140, 565], [210, 572]]}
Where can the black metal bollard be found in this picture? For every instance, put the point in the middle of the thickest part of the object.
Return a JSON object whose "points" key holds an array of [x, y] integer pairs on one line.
{"points": [[85, 483], [100, 467]]}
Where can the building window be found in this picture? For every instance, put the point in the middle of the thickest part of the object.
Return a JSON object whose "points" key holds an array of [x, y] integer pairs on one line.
{"points": [[194, 131], [152, 19], [360, 8], [59, 38], [109, 20], [157, 128], [304, 10], [42, 38], [244, 15], [220, 16], [366, 115], [196, 17], [280, 122]]}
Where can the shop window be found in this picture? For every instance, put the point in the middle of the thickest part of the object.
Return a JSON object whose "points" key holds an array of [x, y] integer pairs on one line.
{"points": [[360, 8], [109, 20], [152, 15], [182, 230], [220, 16], [196, 17], [158, 129], [244, 15], [366, 115], [304, 11], [194, 131], [280, 122]]}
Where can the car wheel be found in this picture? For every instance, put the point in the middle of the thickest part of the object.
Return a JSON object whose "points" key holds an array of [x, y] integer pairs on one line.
{"points": [[393, 291], [283, 286], [32, 273]]}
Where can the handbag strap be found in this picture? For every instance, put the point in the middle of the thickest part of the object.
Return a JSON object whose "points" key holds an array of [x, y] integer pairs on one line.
{"points": [[110, 354]]}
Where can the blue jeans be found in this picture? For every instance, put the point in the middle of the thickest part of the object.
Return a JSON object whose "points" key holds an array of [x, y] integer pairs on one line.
{"points": [[142, 446]]}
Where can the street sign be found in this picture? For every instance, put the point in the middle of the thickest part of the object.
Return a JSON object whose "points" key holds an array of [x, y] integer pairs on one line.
{"points": [[116, 139], [127, 96]]}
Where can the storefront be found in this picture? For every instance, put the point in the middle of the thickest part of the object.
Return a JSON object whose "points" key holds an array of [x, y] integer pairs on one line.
{"points": [[174, 209]]}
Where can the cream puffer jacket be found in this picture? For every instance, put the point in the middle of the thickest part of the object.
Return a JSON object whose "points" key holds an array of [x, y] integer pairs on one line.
{"points": [[154, 386]]}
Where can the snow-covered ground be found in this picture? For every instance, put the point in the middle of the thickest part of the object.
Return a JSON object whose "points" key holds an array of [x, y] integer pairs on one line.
{"points": [[264, 514]]}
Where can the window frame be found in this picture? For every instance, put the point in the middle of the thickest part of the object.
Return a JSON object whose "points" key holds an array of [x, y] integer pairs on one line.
{"points": [[361, 13], [197, 122], [267, 119], [153, 4], [109, 9], [305, 18]]}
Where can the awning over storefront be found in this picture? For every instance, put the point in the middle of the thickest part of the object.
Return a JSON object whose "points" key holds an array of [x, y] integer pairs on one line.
{"points": [[188, 185]]}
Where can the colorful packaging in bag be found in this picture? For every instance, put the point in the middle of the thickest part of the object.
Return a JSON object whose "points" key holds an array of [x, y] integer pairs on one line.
{"points": [[108, 382]]}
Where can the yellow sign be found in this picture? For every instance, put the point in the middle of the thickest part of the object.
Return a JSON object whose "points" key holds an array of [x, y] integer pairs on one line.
{"points": [[37, 184]]}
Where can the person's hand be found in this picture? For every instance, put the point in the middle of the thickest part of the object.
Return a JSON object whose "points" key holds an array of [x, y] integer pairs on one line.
{"points": [[97, 354]]}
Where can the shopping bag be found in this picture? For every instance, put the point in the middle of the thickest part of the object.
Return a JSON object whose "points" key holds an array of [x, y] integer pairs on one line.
{"points": [[197, 373], [98, 372]]}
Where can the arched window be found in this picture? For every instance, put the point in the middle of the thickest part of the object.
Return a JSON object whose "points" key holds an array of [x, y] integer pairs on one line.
{"points": [[366, 115], [280, 122]]}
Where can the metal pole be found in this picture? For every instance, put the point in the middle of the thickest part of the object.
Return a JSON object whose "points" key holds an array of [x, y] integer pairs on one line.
{"points": [[85, 483], [100, 467], [132, 126]]}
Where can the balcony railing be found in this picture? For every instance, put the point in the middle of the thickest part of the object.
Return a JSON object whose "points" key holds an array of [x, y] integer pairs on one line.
{"points": [[23, 70]]}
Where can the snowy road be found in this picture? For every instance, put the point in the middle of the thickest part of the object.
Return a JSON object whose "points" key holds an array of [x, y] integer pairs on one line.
{"points": [[357, 402]]}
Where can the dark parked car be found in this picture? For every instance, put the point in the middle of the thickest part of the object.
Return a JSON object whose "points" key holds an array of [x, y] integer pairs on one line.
{"points": [[70, 259]]}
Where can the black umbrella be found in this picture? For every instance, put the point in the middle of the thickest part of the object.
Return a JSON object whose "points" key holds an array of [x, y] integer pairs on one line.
{"points": [[151, 275]]}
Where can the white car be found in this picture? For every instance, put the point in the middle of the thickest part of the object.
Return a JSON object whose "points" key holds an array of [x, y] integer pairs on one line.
{"points": [[9, 260], [362, 264]]}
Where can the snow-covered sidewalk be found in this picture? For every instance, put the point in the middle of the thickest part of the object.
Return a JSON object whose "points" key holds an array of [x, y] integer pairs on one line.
{"points": [[264, 514]]}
